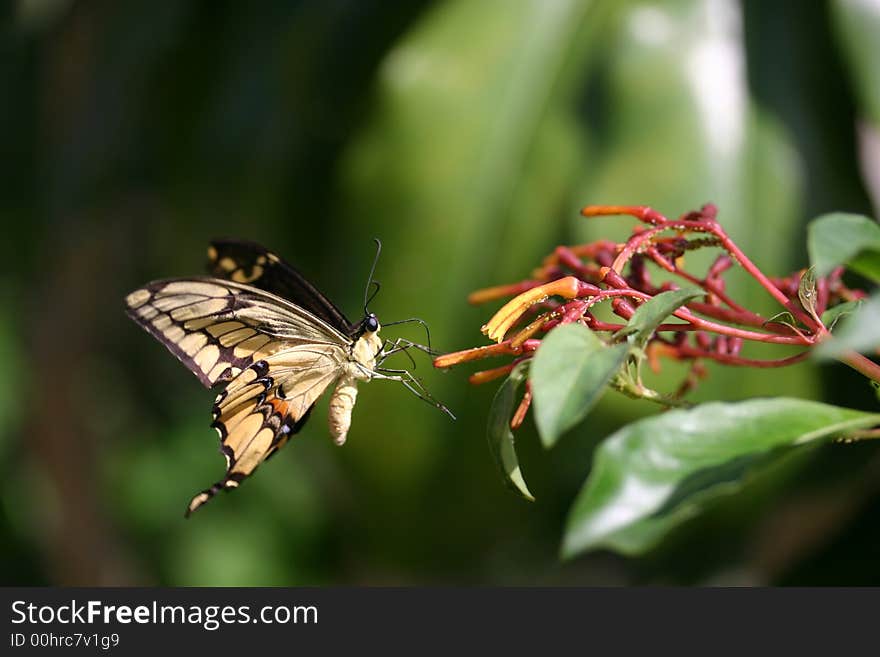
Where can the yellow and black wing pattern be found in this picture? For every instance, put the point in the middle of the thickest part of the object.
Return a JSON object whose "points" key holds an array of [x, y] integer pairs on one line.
{"points": [[197, 321], [265, 405], [274, 357], [248, 262]]}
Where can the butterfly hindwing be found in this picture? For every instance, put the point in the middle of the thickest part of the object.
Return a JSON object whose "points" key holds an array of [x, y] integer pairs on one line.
{"points": [[264, 406], [252, 424], [248, 262]]}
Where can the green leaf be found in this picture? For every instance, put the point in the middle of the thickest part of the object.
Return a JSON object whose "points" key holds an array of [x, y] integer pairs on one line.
{"points": [[571, 369], [652, 474], [858, 30], [501, 440], [840, 239], [861, 332], [652, 313], [833, 315]]}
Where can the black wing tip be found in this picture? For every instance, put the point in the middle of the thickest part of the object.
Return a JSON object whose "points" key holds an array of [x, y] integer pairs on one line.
{"points": [[228, 483], [202, 498], [220, 242]]}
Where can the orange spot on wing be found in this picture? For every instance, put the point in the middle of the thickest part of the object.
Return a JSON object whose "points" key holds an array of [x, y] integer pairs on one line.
{"points": [[281, 407]]}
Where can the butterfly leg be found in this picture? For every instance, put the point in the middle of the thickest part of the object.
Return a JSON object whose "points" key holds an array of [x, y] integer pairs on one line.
{"points": [[389, 348], [402, 344], [413, 384]]}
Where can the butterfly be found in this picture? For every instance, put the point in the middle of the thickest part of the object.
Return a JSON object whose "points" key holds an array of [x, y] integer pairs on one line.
{"points": [[274, 342]]}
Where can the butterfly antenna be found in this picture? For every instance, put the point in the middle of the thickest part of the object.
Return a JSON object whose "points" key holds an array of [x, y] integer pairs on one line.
{"points": [[377, 286], [370, 282]]}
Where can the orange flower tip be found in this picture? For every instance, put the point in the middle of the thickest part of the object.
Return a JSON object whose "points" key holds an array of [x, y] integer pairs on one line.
{"points": [[486, 294], [497, 335], [448, 360], [478, 378], [564, 287], [608, 210], [520, 414], [600, 210], [654, 351], [497, 327]]}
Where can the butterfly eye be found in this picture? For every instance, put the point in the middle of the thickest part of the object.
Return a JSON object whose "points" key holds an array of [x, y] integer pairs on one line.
{"points": [[372, 324]]}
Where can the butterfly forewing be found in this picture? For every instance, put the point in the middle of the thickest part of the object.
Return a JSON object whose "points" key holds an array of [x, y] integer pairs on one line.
{"points": [[251, 263], [219, 328]]}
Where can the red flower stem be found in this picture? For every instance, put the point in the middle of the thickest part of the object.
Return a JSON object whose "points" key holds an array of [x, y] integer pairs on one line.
{"points": [[687, 351], [635, 242], [709, 286], [743, 260], [744, 319], [862, 364], [598, 325], [632, 245], [654, 218], [686, 315]]}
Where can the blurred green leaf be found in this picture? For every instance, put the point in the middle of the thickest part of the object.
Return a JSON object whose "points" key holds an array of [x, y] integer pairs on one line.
{"points": [[860, 333], [704, 139], [841, 238], [571, 370], [501, 440], [473, 139], [470, 150], [833, 315], [858, 29], [654, 473], [651, 314]]}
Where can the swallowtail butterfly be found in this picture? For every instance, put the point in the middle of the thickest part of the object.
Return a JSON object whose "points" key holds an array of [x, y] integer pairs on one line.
{"points": [[258, 328]]}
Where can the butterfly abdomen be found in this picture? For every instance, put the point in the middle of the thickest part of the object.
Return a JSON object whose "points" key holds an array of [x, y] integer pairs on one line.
{"points": [[362, 362], [341, 406]]}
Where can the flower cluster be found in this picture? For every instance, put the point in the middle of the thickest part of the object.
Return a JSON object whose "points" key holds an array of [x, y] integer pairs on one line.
{"points": [[573, 280]]}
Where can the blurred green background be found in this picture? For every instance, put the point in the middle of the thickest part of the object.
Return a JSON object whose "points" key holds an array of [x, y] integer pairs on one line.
{"points": [[466, 134]]}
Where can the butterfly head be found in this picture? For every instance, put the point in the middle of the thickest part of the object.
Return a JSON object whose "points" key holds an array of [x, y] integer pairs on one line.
{"points": [[369, 326], [371, 323]]}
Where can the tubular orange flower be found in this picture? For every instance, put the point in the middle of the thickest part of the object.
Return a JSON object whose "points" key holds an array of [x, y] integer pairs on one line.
{"points": [[497, 327]]}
